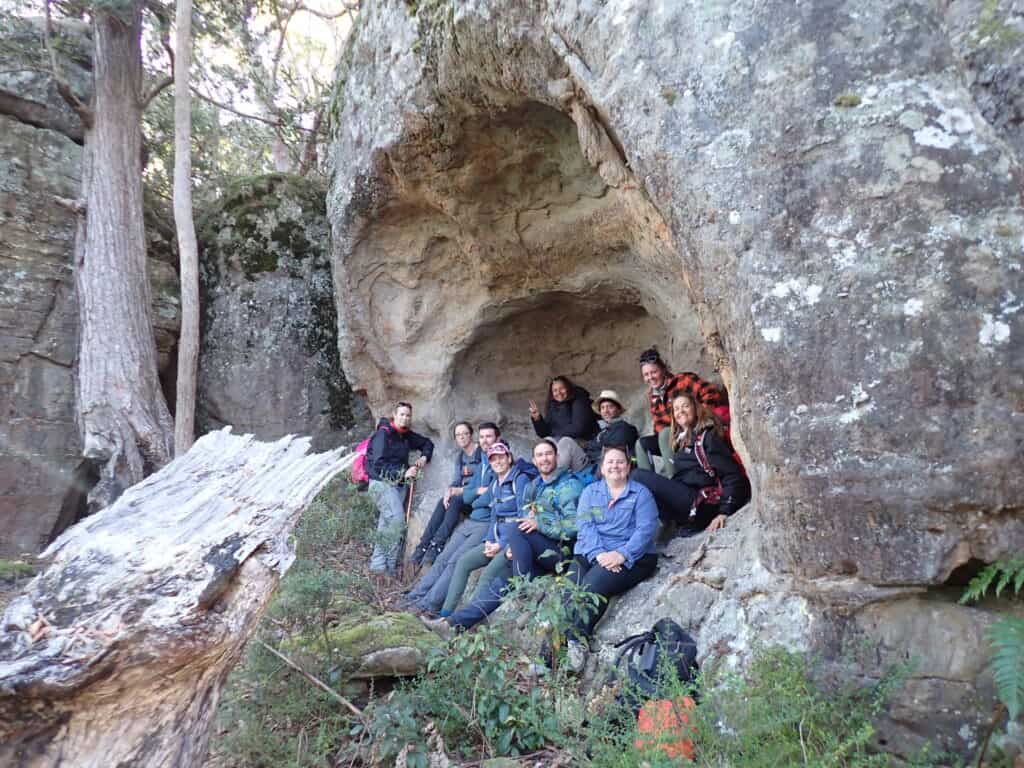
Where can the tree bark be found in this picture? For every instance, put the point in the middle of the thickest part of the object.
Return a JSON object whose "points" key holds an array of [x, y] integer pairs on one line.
{"points": [[125, 425], [117, 653], [188, 250]]}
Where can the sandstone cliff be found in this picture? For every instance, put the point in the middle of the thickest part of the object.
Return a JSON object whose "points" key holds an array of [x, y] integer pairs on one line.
{"points": [[819, 201]]}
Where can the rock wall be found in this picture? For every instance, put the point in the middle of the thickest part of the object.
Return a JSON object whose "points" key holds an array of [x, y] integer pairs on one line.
{"points": [[816, 200], [269, 355], [43, 479]]}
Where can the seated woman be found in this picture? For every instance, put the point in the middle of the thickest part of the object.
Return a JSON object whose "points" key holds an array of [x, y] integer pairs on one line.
{"points": [[702, 484], [614, 429], [569, 419], [507, 488], [616, 520], [450, 507]]}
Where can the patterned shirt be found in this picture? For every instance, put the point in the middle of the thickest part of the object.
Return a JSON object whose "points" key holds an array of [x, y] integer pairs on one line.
{"points": [[690, 383]]}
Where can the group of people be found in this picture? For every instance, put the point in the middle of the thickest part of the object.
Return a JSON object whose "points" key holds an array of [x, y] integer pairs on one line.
{"points": [[587, 505]]}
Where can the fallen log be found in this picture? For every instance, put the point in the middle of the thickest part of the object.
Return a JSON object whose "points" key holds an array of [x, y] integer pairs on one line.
{"points": [[115, 655]]}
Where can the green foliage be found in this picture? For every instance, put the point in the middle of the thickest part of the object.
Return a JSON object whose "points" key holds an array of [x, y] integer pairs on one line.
{"points": [[1007, 640], [1001, 573], [15, 569], [1006, 636]]}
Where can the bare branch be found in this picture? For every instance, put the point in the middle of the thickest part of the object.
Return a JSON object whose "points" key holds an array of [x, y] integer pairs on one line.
{"points": [[75, 206], [83, 112], [156, 90], [39, 116], [246, 115], [316, 681], [346, 10]]}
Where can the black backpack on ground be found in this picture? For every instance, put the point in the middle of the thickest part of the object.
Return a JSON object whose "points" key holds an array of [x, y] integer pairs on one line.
{"points": [[666, 648]]}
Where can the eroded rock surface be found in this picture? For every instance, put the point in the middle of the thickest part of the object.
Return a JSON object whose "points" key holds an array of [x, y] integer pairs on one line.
{"points": [[269, 355], [815, 200]]}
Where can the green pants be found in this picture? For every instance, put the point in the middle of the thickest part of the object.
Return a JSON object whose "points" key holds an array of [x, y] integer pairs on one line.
{"points": [[466, 564]]}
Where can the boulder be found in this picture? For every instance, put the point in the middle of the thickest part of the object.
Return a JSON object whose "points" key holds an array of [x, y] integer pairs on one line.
{"points": [[269, 361], [371, 646], [811, 202]]}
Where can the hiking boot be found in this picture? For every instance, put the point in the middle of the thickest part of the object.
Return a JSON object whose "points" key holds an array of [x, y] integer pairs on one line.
{"points": [[440, 627], [575, 656], [416, 558]]}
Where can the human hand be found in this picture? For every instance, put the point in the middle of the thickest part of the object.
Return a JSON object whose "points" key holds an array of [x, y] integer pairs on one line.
{"points": [[508, 553], [528, 525], [717, 524], [412, 471], [534, 411], [611, 561], [491, 548], [481, 490]]}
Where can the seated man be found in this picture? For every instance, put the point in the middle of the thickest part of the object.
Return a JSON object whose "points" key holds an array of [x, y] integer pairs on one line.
{"points": [[510, 480], [614, 429], [429, 592], [387, 458], [537, 543], [663, 386]]}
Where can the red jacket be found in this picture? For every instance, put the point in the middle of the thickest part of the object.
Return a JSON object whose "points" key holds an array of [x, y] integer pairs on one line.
{"points": [[679, 383]]}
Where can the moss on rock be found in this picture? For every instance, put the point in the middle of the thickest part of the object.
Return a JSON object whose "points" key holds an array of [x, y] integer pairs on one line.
{"points": [[366, 645]]}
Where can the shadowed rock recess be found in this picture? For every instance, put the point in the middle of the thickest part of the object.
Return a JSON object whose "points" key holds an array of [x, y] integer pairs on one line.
{"points": [[804, 198]]}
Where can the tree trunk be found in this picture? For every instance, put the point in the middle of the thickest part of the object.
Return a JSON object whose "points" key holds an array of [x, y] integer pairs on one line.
{"points": [[125, 425], [188, 250], [116, 654]]}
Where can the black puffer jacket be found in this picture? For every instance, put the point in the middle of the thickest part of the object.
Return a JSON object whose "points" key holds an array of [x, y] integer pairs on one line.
{"points": [[735, 486], [574, 418], [617, 433], [387, 458]]}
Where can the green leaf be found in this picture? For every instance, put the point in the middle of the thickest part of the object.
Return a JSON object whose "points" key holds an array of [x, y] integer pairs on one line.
{"points": [[1007, 639]]}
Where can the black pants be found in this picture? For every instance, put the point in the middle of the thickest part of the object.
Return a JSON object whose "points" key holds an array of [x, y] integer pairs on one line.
{"points": [[675, 500], [650, 444], [597, 579], [534, 554], [439, 528]]}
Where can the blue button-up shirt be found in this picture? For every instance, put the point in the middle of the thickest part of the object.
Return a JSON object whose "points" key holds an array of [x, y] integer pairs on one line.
{"points": [[627, 525]]}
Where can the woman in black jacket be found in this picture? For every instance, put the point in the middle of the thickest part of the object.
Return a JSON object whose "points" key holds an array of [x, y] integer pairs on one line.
{"points": [[707, 484], [568, 417]]}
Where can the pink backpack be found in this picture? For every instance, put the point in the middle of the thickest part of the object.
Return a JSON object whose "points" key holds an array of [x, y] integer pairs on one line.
{"points": [[359, 472]]}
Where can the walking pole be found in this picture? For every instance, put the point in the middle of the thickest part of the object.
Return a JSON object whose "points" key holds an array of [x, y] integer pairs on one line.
{"points": [[408, 515]]}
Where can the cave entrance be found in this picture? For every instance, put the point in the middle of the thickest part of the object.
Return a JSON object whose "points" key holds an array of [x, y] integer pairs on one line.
{"points": [[502, 257]]}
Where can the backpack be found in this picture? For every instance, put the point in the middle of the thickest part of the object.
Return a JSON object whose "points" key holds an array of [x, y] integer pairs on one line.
{"points": [[360, 472], [667, 646]]}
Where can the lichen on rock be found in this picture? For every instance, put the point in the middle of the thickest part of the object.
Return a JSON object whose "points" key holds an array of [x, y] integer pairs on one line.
{"points": [[269, 360]]}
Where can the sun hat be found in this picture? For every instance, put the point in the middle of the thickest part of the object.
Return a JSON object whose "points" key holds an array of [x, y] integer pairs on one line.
{"points": [[607, 394]]}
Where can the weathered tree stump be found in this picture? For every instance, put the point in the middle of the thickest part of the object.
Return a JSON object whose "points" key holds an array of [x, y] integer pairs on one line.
{"points": [[116, 654]]}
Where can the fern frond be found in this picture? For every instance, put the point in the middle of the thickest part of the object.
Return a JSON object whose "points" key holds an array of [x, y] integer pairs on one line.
{"points": [[1002, 573], [1007, 640], [978, 586]]}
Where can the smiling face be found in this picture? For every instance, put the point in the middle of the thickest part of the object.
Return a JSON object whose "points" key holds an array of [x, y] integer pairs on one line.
{"points": [[609, 410], [559, 392], [487, 438], [500, 463], [684, 412], [545, 458], [615, 466], [463, 436], [654, 374], [403, 416]]}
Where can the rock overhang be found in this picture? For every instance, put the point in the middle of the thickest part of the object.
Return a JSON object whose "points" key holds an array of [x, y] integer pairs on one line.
{"points": [[807, 203]]}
